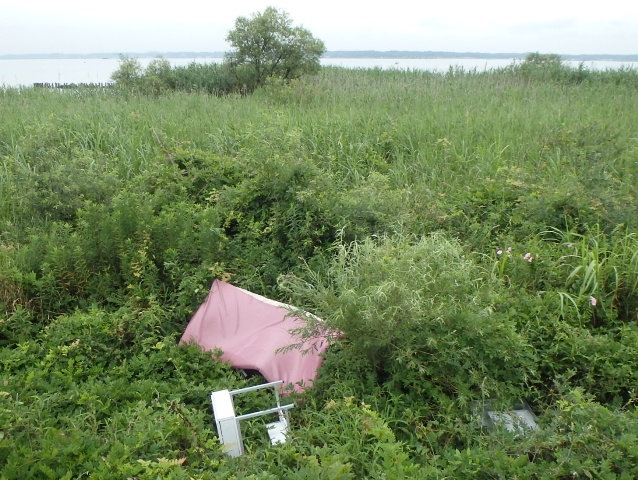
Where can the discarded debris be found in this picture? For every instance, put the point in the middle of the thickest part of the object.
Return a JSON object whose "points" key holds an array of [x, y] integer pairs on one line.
{"points": [[227, 422], [518, 419]]}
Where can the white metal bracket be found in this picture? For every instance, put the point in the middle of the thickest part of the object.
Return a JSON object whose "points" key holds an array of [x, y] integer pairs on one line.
{"points": [[227, 422]]}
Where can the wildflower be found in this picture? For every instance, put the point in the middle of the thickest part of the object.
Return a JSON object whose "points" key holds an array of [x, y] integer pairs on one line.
{"points": [[499, 252], [509, 250], [593, 301], [528, 257]]}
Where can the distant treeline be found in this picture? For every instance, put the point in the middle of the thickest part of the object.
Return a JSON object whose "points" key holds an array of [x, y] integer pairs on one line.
{"points": [[73, 85], [428, 55], [109, 55], [333, 54]]}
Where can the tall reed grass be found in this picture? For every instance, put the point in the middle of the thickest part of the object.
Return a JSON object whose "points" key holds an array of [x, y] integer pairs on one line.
{"points": [[474, 233]]}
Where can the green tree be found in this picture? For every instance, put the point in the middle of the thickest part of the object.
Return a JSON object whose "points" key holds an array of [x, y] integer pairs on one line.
{"points": [[267, 45], [543, 59], [544, 66], [157, 76], [129, 72]]}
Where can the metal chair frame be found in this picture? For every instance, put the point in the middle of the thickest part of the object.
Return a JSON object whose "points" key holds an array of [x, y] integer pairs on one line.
{"points": [[227, 422]]}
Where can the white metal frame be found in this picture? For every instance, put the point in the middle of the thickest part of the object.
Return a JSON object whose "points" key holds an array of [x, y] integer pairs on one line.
{"points": [[227, 423]]}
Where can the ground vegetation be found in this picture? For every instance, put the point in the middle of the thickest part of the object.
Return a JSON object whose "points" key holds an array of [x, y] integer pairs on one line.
{"points": [[473, 235]]}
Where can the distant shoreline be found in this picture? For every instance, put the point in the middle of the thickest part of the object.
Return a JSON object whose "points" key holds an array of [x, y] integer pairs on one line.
{"points": [[398, 54]]}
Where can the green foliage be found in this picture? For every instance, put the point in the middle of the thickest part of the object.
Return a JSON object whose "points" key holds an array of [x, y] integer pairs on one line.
{"points": [[550, 67], [543, 67], [266, 45], [157, 76], [342, 439], [421, 318], [570, 295], [155, 79], [578, 439], [210, 78], [370, 448], [119, 207], [129, 73], [543, 60], [113, 393]]}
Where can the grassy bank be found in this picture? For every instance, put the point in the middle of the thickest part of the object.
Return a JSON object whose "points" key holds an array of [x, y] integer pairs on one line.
{"points": [[473, 234]]}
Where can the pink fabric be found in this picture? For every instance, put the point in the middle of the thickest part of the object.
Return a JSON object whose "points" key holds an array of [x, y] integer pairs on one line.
{"points": [[249, 329]]}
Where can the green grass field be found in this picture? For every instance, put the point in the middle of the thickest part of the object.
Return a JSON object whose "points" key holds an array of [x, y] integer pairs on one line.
{"points": [[474, 235]]}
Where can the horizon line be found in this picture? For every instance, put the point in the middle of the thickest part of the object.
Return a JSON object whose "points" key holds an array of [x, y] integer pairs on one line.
{"points": [[408, 54]]}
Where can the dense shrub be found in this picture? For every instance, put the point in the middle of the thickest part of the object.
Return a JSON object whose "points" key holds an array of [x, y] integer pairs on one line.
{"points": [[418, 316], [118, 207], [114, 394]]}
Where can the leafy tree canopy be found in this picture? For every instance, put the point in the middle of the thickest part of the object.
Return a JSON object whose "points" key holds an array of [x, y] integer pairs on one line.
{"points": [[268, 45], [129, 72], [543, 59]]}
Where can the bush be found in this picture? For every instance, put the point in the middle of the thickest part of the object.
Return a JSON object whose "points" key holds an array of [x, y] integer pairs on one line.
{"points": [[129, 73], [111, 394], [420, 317]]}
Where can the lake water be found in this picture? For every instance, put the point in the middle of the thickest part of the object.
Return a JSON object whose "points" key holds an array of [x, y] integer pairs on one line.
{"points": [[26, 72]]}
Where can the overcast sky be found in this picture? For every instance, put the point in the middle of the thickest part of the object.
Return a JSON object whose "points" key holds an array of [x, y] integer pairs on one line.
{"points": [[546, 26]]}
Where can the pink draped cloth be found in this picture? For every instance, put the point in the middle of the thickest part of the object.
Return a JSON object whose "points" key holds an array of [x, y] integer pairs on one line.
{"points": [[250, 329]]}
